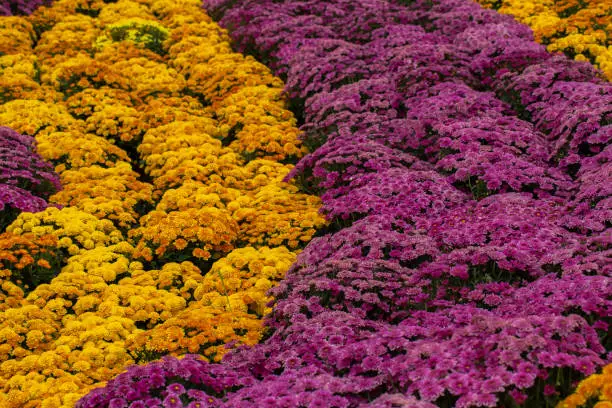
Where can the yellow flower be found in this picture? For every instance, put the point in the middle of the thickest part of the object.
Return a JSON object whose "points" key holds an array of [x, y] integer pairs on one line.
{"points": [[149, 33], [114, 12], [596, 385], [209, 229], [225, 74], [74, 34], [32, 117], [16, 35], [107, 193], [72, 228]]}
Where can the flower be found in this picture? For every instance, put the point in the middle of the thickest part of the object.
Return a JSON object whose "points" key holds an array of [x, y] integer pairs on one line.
{"points": [[176, 389], [117, 403], [172, 401]]}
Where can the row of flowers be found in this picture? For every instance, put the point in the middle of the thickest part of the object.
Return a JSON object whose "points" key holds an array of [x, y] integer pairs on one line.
{"points": [[467, 259], [580, 28], [173, 220]]}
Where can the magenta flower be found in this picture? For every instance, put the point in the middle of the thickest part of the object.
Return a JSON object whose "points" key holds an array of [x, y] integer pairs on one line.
{"points": [[519, 397], [198, 404], [172, 401], [19, 7], [117, 403], [175, 389], [26, 180]]}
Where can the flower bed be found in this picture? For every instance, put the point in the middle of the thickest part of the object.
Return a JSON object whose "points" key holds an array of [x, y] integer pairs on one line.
{"points": [[465, 261], [174, 220], [460, 301]]}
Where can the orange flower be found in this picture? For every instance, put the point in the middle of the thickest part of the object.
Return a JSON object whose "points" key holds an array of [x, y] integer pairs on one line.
{"points": [[44, 263], [180, 244], [201, 253]]}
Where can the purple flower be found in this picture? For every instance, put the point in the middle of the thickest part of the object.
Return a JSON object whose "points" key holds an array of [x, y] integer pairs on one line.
{"points": [[196, 394], [26, 180], [157, 380], [175, 389], [172, 401], [459, 383], [523, 380], [549, 390], [519, 397], [19, 7], [117, 403], [152, 402], [492, 385], [198, 404]]}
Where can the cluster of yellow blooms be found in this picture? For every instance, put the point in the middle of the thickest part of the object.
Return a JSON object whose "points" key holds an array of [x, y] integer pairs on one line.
{"points": [[173, 221], [594, 391], [25, 259], [580, 28], [230, 301]]}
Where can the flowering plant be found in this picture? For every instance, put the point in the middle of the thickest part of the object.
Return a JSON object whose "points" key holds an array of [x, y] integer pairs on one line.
{"points": [[26, 181]]}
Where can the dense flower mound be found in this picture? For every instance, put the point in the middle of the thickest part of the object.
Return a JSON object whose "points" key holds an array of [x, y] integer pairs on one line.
{"points": [[174, 220], [580, 29], [26, 180], [16, 7], [467, 263]]}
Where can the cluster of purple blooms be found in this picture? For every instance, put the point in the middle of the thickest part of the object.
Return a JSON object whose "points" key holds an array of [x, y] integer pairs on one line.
{"points": [[26, 180], [20, 7], [464, 170]]}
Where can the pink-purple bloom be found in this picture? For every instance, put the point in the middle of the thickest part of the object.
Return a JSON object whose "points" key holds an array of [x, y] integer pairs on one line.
{"points": [[26, 180], [20, 7]]}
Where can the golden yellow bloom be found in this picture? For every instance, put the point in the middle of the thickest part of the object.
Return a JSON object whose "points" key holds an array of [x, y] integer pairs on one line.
{"points": [[248, 272], [113, 12], [74, 150], [111, 193], [148, 77], [16, 35], [595, 386], [143, 32], [193, 194], [71, 223], [209, 229], [18, 80], [73, 34], [162, 110], [32, 117], [171, 138], [80, 72], [165, 8], [279, 215], [224, 74], [197, 330]]}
